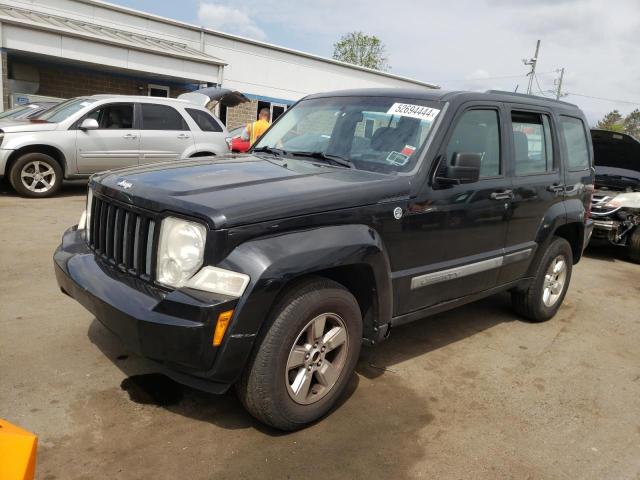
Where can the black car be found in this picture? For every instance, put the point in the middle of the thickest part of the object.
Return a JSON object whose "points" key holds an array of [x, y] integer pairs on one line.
{"points": [[357, 211], [616, 201]]}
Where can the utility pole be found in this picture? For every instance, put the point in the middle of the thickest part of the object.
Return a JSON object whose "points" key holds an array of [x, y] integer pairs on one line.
{"points": [[532, 63], [559, 83]]}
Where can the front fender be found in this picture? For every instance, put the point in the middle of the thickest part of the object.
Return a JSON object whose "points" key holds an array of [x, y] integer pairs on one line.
{"points": [[274, 261]]}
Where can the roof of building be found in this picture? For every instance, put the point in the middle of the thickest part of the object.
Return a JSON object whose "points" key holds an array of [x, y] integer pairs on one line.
{"points": [[103, 34], [190, 26]]}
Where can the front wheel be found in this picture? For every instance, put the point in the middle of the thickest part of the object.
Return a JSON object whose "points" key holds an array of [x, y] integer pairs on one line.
{"points": [[634, 245], [542, 299], [306, 357], [36, 175]]}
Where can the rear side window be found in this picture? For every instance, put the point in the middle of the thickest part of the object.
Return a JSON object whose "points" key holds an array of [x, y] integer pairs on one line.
{"points": [[532, 143], [205, 121], [575, 137], [478, 131], [161, 117]]}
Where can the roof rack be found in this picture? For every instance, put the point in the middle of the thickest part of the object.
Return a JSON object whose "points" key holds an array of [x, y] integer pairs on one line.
{"points": [[528, 95]]}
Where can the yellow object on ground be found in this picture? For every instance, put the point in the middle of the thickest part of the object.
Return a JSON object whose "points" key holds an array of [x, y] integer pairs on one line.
{"points": [[17, 452]]}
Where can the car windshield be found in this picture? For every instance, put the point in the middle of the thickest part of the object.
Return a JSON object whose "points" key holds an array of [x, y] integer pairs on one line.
{"points": [[382, 134], [14, 112], [64, 110]]}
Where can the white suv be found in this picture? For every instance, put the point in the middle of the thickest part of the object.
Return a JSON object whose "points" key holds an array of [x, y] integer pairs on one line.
{"points": [[86, 135]]}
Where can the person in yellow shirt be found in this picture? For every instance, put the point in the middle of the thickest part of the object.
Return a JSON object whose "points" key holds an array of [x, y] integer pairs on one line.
{"points": [[254, 130]]}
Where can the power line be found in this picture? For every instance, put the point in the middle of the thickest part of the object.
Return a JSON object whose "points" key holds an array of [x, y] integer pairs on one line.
{"points": [[602, 98], [490, 78]]}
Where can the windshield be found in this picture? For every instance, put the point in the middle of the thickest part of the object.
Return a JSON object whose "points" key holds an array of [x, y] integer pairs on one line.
{"points": [[382, 134], [65, 109], [14, 112]]}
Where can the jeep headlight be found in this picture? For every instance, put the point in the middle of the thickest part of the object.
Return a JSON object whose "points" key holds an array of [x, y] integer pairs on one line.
{"points": [[180, 251]]}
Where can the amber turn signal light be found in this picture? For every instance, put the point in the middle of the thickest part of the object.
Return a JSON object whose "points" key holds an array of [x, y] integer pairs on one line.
{"points": [[221, 327]]}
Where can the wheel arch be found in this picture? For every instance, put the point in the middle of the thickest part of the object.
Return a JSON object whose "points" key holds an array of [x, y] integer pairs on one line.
{"points": [[572, 232], [352, 255], [46, 149]]}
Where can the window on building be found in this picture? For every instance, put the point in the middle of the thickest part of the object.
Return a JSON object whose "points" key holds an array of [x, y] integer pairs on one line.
{"points": [[223, 114], [532, 143], [478, 131], [158, 91], [205, 121], [161, 117], [113, 116], [575, 138], [262, 105]]}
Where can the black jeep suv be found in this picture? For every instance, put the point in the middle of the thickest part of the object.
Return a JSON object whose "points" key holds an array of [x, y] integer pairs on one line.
{"points": [[355, 212]]}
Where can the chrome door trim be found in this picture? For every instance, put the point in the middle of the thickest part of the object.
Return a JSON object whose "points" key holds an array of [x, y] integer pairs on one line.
{"points": [[468, 269]]}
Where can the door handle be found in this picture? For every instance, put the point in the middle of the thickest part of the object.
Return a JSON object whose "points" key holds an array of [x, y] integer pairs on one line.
{"points": [[130, 136], [555, 188], [183, 135], [502, 195]]}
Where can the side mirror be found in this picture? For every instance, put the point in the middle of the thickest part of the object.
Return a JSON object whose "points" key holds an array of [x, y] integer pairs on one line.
{"points": [[465, 168], [89, 124]]}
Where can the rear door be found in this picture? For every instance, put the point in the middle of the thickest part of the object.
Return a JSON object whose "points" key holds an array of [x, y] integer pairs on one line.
{"points": [[165, 135], [538, 185], [115, 144]]}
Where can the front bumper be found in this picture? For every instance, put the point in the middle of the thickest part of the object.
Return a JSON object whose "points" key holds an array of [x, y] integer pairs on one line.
{"points": [[174, 329]]}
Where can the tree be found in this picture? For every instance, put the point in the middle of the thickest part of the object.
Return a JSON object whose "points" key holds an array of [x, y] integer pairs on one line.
{"points": [[361, 49], [611, 121], [632, 124]]}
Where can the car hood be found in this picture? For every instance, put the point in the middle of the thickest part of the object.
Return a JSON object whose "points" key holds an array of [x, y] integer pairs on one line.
{"points": [[244, 189], [12, 125]]}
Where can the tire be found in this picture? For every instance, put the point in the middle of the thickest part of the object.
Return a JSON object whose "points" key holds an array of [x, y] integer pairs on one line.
{"points": [[24, 180], [634, 245], [277, 386], [542, 299]]}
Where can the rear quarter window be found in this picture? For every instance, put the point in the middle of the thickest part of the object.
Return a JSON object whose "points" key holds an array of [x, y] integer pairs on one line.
{"points": [[204, 120], [575, 139]]}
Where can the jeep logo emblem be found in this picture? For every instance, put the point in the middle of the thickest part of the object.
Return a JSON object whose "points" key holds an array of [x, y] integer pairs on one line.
{"points": [[397, 213], [124, 184]]}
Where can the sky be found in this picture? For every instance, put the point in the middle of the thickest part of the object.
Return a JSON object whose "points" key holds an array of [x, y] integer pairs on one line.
{"points": [[458, 44]]}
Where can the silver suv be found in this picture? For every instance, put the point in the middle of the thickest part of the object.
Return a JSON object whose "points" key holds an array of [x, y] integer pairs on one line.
{"points": [[86, 135]]}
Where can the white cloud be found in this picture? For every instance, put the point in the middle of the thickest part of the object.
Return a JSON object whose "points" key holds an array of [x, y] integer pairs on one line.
{"points": [[229, 19]]}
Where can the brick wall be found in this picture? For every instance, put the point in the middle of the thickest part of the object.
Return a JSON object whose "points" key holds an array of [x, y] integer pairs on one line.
{"points": [[242, 114], [65, 81]]}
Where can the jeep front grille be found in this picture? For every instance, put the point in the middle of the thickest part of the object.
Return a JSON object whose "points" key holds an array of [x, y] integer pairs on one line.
{"points": [[123, 237]]}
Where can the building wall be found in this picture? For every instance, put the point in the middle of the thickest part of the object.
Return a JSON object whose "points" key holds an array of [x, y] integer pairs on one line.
{"points": [[66, 81], [253, 68], [242, 114]]}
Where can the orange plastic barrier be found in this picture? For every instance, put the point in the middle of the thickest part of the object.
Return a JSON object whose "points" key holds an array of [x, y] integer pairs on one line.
{"points": [[17, 452]]}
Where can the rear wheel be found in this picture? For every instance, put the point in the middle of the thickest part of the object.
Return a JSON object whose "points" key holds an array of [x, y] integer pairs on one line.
{"points": [[542, 299], [306, 357], [634, 245], [36, 175]]}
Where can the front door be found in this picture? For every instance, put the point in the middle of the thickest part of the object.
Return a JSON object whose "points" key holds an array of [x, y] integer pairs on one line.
{"points": [[456, 233], [165, 134], [115, 144]]}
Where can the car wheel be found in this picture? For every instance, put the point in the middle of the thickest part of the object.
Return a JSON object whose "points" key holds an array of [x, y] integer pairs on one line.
{"points": [[542, 299], [306, 356], [634, 245], [36, 175]]}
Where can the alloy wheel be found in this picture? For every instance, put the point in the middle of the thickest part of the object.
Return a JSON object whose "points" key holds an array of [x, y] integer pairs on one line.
{"points": [[38, 176], [317, 359], [554, 281]]}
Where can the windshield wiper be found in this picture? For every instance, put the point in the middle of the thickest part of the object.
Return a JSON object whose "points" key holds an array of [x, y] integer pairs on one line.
{"points": [[271, 150], [327, 157]]}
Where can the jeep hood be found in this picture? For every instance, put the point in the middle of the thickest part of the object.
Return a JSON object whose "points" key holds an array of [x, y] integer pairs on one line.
{"points": [[245, 189], [15, 126]]}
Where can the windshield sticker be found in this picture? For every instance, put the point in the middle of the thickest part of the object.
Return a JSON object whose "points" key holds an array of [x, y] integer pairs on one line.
{"points": [[408, 150], [414, 111], [397, 158]]}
